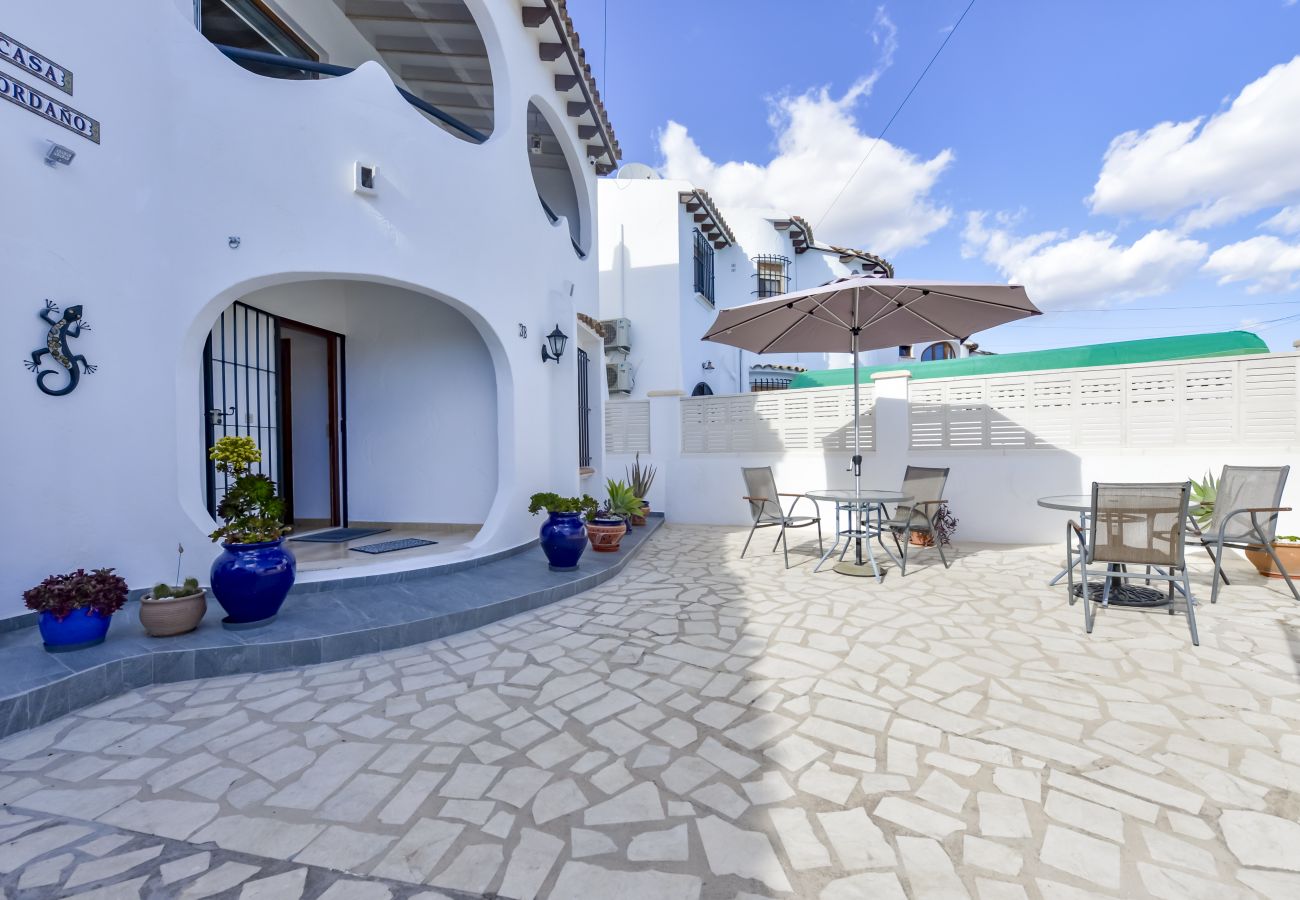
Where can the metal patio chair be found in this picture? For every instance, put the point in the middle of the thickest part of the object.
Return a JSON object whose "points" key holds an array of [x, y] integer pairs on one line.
{"points": [[765, 506], [925, 487], [1141, 525], [1246, 505]]}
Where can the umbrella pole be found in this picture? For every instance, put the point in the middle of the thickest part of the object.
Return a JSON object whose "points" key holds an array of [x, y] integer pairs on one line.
{"points": [[857, 437]]}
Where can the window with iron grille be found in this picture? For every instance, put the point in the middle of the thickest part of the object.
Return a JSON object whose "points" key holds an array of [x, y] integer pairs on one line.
{"points": [[584, 409], [771, 272], [703, 266]]}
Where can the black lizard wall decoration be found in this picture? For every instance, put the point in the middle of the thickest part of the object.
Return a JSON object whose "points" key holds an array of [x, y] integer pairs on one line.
{"points": [[68, 325]]}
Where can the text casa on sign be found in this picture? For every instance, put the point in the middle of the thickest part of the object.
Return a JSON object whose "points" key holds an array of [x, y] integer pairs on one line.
{"points": [[28, 97], [26, 58]]}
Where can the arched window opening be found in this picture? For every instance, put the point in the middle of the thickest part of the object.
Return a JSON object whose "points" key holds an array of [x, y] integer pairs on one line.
{"points": [[548, 158], [250, 25], [941, 350]]}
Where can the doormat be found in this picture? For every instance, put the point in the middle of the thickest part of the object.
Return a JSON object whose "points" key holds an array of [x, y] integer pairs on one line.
{"points": [[339, 535], [389, 546]]}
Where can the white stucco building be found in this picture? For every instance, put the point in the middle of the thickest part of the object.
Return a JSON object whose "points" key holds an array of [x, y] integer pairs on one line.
{"points": [[264, 242], [670, 258]]}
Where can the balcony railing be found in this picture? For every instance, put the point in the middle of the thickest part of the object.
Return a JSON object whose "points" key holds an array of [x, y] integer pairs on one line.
{"points": [[275, 60]]}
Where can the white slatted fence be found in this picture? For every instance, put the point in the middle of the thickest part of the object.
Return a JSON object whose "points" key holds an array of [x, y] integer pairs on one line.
{"points": [[627, 426], [815, 420], [1239, 401]]}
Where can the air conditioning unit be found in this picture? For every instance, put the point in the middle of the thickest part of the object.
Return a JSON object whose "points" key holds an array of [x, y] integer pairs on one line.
{"points": [[619, 377], [618, 333]]}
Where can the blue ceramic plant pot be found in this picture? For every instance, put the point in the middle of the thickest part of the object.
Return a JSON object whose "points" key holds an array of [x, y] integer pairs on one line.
{"points": [[79, 628], [250, 581], [564, 537]]}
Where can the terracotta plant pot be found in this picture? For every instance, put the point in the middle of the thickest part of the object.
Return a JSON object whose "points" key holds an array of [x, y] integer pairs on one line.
{"points": [[606, 536], [645, 511], [1287, 551], [166, 616], [920, 539]]}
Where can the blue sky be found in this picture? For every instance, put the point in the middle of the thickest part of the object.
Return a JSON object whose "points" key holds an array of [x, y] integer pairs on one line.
{"points": [[1135, 164]]}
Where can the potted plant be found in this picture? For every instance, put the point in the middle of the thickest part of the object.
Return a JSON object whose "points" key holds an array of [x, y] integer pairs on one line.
{"points": [[640, 478], [1287, 548], [254, 572], [945, 525], [623, 501], [76, 608], [607, 525], [1203, 495], [563, 536], [171, 609]]}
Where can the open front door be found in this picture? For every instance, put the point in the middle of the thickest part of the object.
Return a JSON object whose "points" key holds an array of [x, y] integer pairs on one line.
{"points": [[280, 382], [241, 387], [311, 380]]}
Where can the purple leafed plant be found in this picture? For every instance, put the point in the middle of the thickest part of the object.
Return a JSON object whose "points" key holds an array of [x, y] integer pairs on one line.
{"points": [[945, 523], [59, 595]]}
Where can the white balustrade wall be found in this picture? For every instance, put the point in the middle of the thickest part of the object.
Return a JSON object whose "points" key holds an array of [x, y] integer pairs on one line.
{"points": [[1247, 401], [818, 420], [1007, 439]]}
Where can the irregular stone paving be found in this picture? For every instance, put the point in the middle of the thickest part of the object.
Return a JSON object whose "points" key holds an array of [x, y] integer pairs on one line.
{"points": [[91, 861], [707, 727]]}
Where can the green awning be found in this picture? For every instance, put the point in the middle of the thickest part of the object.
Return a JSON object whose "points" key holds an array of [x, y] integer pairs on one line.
{"points": [[1191, 346]]}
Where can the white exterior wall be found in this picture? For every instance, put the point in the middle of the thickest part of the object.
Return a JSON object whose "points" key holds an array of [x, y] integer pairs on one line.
{"points": [[641, 272], [196, 149]]}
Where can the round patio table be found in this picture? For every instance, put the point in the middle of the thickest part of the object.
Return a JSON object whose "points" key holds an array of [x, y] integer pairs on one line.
{"points": [[1121, 592], [859, 505]]}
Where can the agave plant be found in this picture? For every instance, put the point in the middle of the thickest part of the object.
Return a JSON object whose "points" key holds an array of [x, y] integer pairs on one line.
{"points": [[640, 478], [1203, 496], [622, 501]]}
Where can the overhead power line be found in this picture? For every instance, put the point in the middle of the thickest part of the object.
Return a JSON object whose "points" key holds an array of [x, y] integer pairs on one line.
{"points": [[885, 130]]}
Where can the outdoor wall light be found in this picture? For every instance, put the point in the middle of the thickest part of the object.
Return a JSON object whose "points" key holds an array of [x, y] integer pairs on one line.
{"points": [[556, 341], [535, 144], [59, 155], [707, 366]]}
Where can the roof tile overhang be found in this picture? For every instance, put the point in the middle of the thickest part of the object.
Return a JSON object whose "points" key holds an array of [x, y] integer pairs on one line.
{"points": [[591, 323], [707, 218], [801, 235], [878, 265], [559, 48], [776, 367]]}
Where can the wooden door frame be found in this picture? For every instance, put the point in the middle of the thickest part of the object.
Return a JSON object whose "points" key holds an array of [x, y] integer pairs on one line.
{"points": [[335, 413]]}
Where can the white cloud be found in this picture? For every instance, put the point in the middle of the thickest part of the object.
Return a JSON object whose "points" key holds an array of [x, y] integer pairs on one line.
{"points": [[885, 208], [1267, 262], [1210, 171], [1091, 268], [1286, 221]]}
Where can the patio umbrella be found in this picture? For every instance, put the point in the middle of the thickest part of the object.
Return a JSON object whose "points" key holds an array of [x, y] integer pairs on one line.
{"points": [[866, 313]]}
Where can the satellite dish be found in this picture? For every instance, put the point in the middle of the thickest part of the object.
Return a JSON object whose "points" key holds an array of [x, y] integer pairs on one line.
{"points": [[635, 170]]}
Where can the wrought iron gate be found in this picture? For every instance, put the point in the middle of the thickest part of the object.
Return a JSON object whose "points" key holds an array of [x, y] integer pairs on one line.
{"points": [[584, 409], [241, 389]]}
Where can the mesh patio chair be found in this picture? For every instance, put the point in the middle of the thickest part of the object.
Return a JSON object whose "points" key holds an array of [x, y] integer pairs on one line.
{"points": [[1140, 525], [1246, 505], [925, 487], [765, 506]]}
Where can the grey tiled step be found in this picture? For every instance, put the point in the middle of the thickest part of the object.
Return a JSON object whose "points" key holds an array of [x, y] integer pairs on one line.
{"points": [[320, 622]]}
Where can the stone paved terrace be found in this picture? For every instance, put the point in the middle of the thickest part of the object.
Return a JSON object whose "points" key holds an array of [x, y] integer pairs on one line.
{"points": [[706, 727]]}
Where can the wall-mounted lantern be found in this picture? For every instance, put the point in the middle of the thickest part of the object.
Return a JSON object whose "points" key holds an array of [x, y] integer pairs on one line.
{"points": [[556, 341]]}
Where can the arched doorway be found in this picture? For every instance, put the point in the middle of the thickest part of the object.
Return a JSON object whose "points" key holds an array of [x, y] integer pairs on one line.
{"points": [[375, 408]]}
